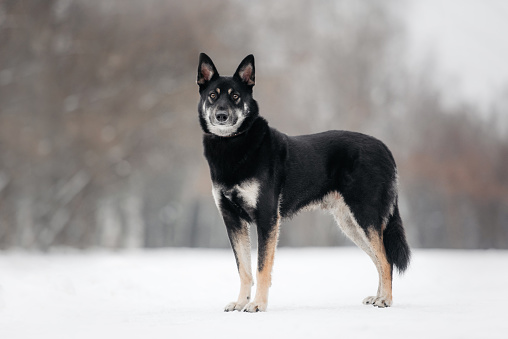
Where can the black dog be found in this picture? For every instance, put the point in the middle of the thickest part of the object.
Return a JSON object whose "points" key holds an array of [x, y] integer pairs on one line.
{"points": [[261, 176]]}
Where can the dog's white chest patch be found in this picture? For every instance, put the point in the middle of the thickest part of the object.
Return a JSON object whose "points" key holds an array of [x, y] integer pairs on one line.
{"points": [[247, 191]]}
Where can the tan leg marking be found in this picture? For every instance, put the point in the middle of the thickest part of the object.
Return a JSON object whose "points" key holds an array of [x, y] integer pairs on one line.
{"points": [[371, 244], [242, 250], [384, 293], [264, 277]]}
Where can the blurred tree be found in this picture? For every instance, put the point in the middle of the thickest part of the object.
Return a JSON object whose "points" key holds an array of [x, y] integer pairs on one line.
{"points": [[100, 144]]}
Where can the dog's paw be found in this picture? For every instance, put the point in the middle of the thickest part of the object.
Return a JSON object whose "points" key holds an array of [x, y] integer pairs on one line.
{"points": [[380, 302], [255, 307], [369, 300], [383, 302], [234, 306]]}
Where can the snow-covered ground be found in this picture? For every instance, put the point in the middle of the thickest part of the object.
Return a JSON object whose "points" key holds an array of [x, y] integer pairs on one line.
{"points": [[316, 293]]}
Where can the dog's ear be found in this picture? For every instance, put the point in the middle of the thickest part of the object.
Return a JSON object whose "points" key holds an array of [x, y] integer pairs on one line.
{"points": [[206, 70], [246, 71]]}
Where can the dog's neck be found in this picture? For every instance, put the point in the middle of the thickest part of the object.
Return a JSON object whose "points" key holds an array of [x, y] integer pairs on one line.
{"points": [[226, 136], [250, 132]]}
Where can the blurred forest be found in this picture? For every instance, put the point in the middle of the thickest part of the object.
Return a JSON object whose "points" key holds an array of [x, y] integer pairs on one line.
{"points": [[100, 144]]}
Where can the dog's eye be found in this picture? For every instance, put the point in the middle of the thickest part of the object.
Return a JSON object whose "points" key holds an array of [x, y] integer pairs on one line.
{"points": [[235, 96], [213, 96]]}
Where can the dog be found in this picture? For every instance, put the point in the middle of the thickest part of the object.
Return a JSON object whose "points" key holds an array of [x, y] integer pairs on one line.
{"points": [[261, 176]]}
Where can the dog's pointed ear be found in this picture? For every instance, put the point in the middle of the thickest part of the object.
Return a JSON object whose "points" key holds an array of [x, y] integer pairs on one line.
{"points": [[246, 71], [206, 70]]}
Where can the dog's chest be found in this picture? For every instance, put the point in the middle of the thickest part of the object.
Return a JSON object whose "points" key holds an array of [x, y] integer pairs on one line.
{"points": [[245, 194]]}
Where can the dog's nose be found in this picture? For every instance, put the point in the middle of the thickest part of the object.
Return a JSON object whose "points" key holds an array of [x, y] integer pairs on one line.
{"points": [[221, 116]]}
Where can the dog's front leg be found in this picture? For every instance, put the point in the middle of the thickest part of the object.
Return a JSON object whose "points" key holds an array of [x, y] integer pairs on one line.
{"points": [[268, 234], [240, 241]]}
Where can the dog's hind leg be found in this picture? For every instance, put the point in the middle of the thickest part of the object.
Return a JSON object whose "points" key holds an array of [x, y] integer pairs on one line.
{"points": [[372, 244], [240, 241], [267, 243], [384, 268]]}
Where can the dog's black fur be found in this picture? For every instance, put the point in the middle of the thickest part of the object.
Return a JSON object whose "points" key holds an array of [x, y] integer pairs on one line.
{"points": [[261, 175]]}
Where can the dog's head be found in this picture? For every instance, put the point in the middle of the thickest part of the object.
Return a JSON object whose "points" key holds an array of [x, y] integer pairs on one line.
{"points": [[226, 107]]}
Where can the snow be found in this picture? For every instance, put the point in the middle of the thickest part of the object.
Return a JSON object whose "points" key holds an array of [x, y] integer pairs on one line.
{"points": [[316, 292]]}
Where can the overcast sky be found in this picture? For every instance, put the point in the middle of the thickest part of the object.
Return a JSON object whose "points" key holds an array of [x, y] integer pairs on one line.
{"points": [[468, 40]]}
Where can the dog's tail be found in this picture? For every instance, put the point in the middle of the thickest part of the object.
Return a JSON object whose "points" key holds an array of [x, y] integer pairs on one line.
{"points": [[394, 239]]}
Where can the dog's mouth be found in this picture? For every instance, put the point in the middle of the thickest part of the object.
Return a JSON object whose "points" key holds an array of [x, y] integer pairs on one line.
{"points": [[224, 123], [224, 118]]}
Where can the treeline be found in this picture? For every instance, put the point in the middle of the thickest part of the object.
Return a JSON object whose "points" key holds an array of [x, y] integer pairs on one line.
{"points": [[100, 143]]}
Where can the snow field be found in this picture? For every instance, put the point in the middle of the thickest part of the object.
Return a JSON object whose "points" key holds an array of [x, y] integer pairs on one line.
{"points": [[316, 292]]}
